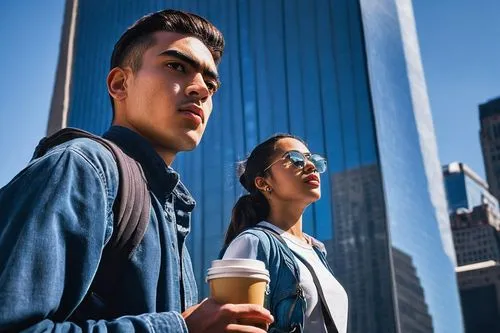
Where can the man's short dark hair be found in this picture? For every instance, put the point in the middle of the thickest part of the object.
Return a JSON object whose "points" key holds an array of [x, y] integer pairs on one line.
{"points": [[130, 48]]}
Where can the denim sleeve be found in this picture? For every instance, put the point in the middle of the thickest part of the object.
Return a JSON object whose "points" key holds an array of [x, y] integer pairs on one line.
{"points": [[55, 217]]}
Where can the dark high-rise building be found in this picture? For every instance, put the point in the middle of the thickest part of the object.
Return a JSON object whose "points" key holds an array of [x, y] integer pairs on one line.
{"points": [[475, 223], [480, 296], [476, 234], [414, 315], [489, 118], [346, 76], [360, 245]]}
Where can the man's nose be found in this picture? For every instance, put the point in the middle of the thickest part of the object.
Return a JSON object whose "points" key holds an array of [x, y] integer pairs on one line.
{"points": [[197, 87]]}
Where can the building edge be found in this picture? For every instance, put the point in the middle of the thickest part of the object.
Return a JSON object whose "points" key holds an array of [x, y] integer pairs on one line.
{"points": [[59, 105]]}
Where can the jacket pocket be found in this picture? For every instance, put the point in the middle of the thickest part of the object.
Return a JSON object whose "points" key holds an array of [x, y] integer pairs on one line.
{"points": [[288, 310]]}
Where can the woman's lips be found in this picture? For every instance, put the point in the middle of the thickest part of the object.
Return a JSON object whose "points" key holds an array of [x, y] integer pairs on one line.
{"points": [[312, 180]]}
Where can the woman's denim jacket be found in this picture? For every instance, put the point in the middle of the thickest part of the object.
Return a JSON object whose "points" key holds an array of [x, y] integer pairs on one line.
{"points": [[285, 298]]}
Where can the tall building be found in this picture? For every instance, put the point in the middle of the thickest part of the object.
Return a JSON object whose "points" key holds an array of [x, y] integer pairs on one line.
{"points": [[347, 77], [475, 223], [411, 299], [480, 295], [476, 235], [62, 86], [489, 118], [474, 215], [360, 245]]}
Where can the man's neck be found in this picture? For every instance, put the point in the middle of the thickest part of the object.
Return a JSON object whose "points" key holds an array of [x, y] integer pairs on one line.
{"points": [[166, 155]]}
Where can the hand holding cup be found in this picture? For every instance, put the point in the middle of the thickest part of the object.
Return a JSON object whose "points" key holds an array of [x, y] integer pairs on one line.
{"points": [[212, 317]]}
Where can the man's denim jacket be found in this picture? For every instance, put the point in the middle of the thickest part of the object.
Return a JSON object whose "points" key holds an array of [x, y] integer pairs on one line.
{"points": [[285, 298], [55, 219]]}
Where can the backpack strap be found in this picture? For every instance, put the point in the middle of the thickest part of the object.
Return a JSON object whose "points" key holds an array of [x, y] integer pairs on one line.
{"points": [[290, 262], [131, 211], [290, 256], [327, 315], [329, 322], [132, 205]]}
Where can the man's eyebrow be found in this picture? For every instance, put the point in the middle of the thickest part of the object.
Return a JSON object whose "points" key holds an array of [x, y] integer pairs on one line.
{"points": [[192, 62]]}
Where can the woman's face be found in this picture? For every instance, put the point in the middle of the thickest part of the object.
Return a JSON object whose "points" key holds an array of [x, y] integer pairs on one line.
{"points": [[289, 183]]}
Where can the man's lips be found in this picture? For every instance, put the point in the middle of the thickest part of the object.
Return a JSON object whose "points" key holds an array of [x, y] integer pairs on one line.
{"points": [[194, 109]]}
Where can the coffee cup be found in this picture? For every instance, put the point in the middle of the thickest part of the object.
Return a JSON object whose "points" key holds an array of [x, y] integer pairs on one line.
{"points": [[239, 281]]}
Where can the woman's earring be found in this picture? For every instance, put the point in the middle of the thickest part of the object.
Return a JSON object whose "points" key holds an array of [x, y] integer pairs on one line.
{"points": [[268, 189]]}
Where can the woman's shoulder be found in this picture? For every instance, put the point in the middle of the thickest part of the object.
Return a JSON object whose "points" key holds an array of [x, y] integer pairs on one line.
{"points": [[245, 245], [253, 242]]}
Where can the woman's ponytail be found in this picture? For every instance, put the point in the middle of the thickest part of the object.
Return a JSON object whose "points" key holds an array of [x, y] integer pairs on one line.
{"points": [[249, 210]]}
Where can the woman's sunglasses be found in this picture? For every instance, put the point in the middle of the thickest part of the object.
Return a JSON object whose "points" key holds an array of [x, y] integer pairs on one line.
{"points": [[299, 160]]}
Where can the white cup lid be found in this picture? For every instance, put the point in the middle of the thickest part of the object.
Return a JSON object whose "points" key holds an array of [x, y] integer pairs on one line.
{"points": [[238, 268], [250, 263]]}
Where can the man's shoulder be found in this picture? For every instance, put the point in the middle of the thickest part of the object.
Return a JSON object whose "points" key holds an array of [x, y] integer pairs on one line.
{"points": [[84, 152], [85, 146], [71, 167], [89, 148]]}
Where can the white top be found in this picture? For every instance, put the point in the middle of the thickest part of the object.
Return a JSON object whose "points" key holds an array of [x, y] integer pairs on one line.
{"points": [[245, 246]]}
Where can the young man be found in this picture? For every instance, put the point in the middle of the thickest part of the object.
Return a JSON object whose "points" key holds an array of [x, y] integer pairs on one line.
{"points": [[56, 215]]}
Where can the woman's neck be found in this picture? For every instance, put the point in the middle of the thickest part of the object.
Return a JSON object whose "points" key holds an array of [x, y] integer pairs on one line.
{"points": [[287, 220]]}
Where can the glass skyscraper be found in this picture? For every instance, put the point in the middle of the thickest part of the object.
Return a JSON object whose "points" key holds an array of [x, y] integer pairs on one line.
{"points": [[346, 76], [465, 189]]}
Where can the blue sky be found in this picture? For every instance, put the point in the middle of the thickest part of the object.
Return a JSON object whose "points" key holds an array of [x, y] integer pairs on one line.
{"points": [[459, 41], [460, 49], [30, 33]]}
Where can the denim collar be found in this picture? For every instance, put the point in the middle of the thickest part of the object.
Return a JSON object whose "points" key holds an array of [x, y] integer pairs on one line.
{"points": [[162, 179]]}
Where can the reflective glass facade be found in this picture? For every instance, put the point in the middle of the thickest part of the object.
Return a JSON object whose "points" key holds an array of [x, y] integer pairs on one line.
{"points": [[464, 189], [346, 76]]}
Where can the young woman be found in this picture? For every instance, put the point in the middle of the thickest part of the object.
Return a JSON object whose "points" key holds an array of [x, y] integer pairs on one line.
{"points": [[282, 179]]}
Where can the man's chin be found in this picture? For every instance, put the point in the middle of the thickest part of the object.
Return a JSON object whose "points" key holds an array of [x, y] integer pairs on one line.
{"points": [[180, 141], [188, 148], [190, 142]]}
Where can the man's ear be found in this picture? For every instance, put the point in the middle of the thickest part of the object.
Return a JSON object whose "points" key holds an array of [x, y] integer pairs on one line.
{"points": [[117, 83]]}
